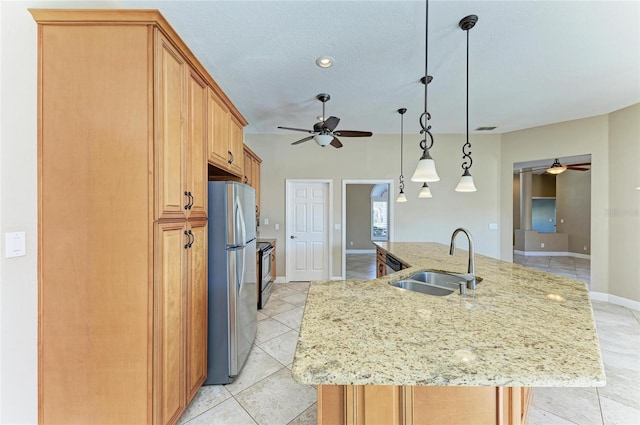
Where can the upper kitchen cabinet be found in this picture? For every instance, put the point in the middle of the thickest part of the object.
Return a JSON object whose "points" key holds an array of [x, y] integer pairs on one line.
{"points": [[225, 137], [123, 119], [180, 120], [252, 173]]}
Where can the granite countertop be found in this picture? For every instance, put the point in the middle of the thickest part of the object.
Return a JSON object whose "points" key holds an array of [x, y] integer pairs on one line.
{"points": [[521, 327]]}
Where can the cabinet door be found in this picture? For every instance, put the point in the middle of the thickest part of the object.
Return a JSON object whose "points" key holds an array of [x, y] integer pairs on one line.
{"points": [[169, 350], [217, 131], [170, 68], [196, 169], [236, 144], [197, 301], [248, 169], [255, 177]]}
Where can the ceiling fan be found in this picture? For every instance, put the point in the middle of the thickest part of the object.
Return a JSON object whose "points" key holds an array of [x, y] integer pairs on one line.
{"points": [[557, 168], [324, 132]]}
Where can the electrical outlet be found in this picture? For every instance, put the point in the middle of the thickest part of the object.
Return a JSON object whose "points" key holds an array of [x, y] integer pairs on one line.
{"points": [[277, 226], [351, 243], [585, 248], [266, 221], [542, 245]]}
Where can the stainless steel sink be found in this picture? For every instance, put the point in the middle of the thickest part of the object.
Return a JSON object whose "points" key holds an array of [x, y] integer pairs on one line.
{"points": [[433, 283], [414, 285]]}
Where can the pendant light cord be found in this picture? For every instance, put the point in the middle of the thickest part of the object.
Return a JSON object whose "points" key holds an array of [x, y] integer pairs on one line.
{"points": [[401, 112], [426, 116]]}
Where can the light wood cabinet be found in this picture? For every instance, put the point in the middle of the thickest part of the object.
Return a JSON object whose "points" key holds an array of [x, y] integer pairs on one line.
{"points": [[123, 125], [181, 146], [406, 405], [225, 137], [252, 173], [197, 303], [381, 263]]}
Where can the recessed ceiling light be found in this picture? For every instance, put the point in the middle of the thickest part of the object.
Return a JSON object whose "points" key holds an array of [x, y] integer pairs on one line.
{"points": [[485, 128], [325, 61]]}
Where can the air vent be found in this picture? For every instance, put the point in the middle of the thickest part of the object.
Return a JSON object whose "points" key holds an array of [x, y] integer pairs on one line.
{"points": [[485, 128]]}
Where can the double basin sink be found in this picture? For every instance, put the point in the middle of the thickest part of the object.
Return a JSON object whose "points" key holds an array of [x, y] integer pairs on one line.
{"points": [[434, 283]]}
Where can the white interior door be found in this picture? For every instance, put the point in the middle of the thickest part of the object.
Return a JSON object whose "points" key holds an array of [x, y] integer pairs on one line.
{"points": [[307, 230]]}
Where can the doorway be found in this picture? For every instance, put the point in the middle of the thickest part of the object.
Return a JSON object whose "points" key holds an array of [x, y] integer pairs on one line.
{"points": [[370, 197], [308, 224]]}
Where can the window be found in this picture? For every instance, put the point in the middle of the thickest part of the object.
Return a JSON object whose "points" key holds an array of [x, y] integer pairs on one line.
{"points": [[379, 227], [380, 212]]}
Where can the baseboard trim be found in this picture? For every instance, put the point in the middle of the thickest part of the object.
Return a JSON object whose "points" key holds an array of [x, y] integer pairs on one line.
{"points": [[360, 251], [614, 299], [551, 254], [337, 278]]}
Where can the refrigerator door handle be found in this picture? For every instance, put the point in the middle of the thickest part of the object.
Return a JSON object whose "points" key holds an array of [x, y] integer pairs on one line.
{"points": [[243, 234]]}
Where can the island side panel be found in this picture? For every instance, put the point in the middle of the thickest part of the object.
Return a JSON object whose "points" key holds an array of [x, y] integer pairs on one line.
{"points": [[361, 404]]}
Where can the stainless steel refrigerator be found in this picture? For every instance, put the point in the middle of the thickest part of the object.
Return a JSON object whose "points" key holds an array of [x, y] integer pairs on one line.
{"points": [[233, 310]]}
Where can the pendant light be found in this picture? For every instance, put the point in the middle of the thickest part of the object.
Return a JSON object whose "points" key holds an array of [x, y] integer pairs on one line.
{"points": [[556, 168], [401, 196], [466, 181], [425, 192], [426, 168]]}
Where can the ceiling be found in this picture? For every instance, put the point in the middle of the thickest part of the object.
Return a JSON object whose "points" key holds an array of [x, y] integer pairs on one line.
{"points": [[531, 62]]}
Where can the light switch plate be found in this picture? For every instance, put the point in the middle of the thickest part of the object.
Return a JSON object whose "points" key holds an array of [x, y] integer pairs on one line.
{"points": [[15, 244], [277, 226]]}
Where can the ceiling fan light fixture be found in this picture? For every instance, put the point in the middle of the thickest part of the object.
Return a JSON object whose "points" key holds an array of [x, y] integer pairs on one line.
{"points": [[426, 169], [325, 61], [425, 191], [466, 183], [323, 139], [556, 168]]}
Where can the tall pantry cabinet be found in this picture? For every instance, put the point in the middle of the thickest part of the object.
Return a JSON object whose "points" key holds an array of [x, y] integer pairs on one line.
{"points": [[122, 207]]}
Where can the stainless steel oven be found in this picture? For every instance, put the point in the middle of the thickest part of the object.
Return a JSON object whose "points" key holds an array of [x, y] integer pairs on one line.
{"points": [[266, 250]]}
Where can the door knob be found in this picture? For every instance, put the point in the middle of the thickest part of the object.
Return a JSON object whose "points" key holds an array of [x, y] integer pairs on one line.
{"points": [[293, 237]]}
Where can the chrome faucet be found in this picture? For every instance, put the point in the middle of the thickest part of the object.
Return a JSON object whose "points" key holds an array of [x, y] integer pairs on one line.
{"points": [[471, 269]]}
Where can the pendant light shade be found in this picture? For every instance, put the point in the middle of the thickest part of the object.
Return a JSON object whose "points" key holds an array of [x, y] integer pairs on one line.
{"points": [[425, 192], [323, 139], [426, 169], [401, 197], [466, 183], [556, 168]]}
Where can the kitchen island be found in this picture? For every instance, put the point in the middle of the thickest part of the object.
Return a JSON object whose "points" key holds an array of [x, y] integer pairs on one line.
{"points": [[380, 354]]}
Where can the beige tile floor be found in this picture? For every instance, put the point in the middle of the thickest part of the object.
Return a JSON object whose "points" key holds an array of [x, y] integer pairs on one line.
{"points": [[265, 394]]}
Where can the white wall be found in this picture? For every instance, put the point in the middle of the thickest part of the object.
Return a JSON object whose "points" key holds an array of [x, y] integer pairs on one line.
{"points": [[18, 291], [378, 157], [624, 202]]}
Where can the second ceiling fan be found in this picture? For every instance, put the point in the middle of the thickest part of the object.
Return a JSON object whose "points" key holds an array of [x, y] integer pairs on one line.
{"points": [[324, 132]]}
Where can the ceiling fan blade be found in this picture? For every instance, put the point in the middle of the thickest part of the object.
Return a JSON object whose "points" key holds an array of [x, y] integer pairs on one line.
{"points": [[336, 143], [353, 133], [306, 139], [331, 123], [579, 164], [571, 167], [297, 129]]}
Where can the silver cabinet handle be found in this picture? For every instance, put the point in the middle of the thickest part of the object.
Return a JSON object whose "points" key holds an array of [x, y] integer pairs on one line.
{"points": [[293, 237]]}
